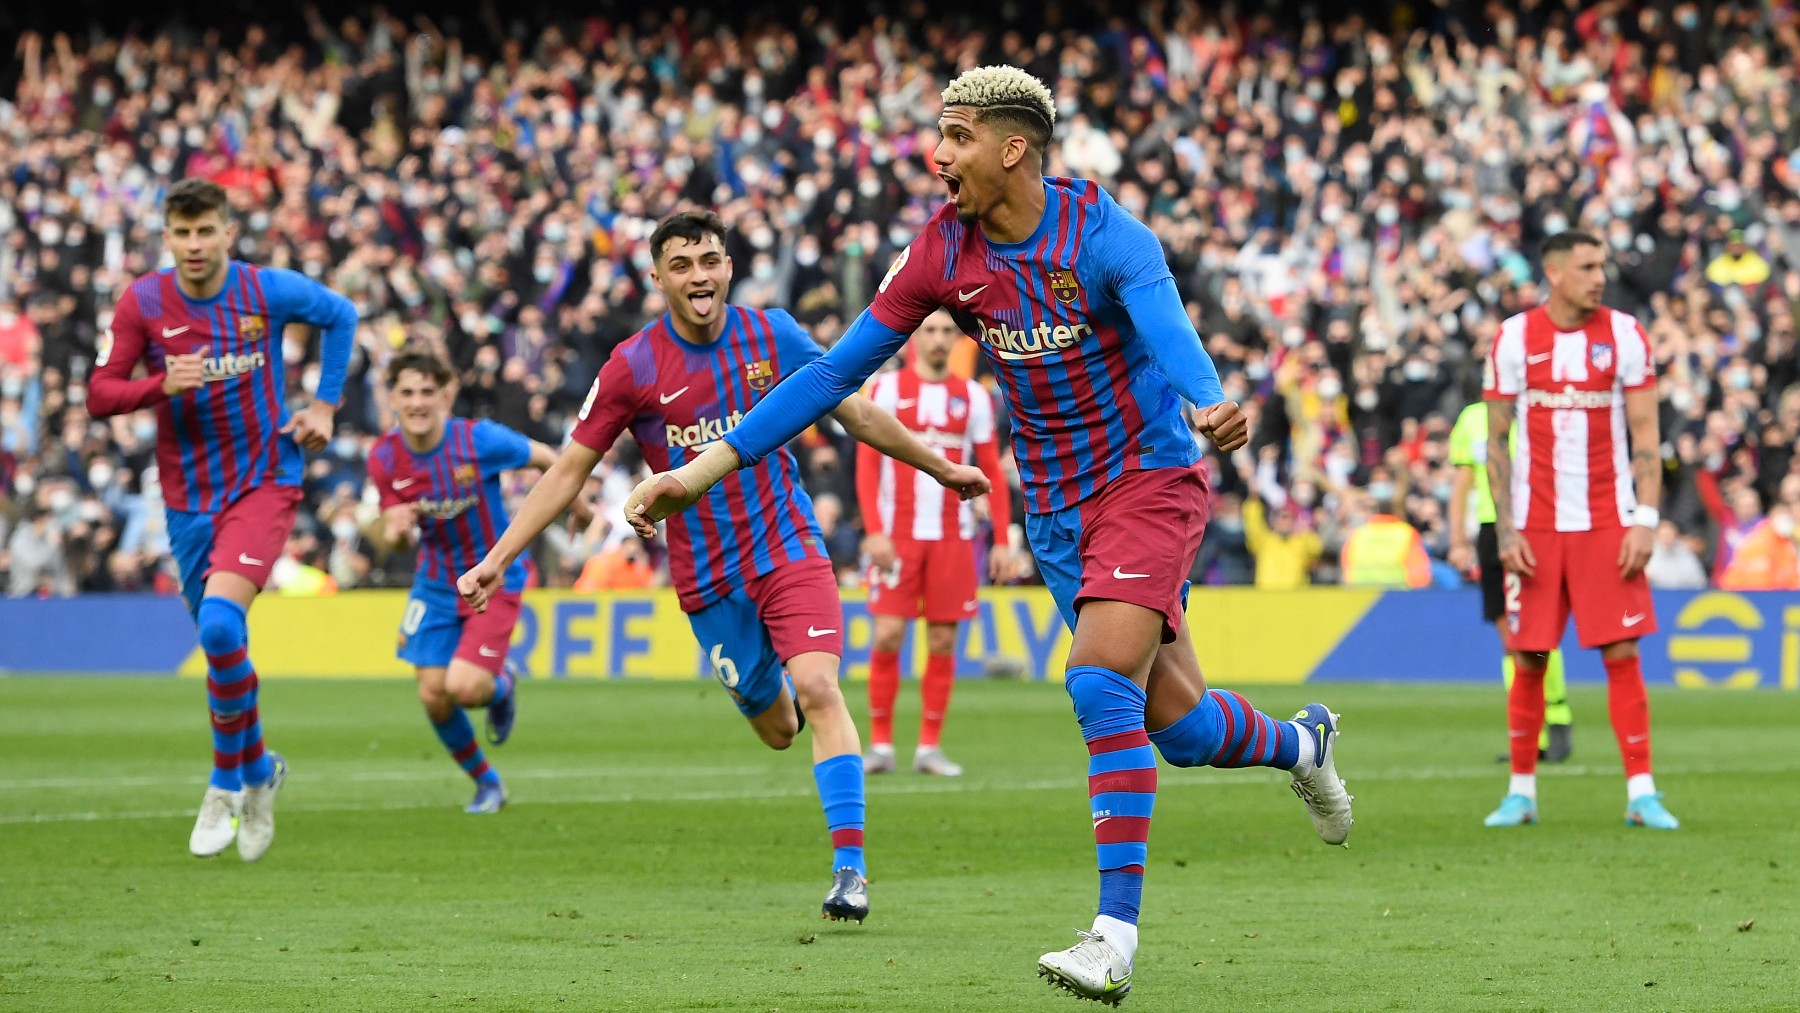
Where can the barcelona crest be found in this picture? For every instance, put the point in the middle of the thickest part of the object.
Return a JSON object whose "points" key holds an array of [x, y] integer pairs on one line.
{"points": [[759, 375], [252, 327], [1064, 286], [464, 474], [1601, 355]]}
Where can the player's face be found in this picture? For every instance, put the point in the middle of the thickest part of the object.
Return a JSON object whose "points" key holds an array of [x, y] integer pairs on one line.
{"points": [[199, 245], [934, 339], [419, 402], [1578, 277], [969, 159], [693, 277]]}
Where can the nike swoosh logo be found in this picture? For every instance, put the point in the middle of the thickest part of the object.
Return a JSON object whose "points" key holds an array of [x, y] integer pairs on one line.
{"points": [[1120, 574], [971, 605], [486, 652], [398, 484], [906, 402], [1630, 621], [1101, 820], [815, 632], [970, 294], [1635, 739], [1535, 359], [1020, 356], [248, 561], [666, 398], [169, 332]]}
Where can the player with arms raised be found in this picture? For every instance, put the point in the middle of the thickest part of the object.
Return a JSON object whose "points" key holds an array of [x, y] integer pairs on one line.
{"points": [[438, 479], [209, 330], [1574, 518], [917, 538], [1073, 304], [750, 566]]}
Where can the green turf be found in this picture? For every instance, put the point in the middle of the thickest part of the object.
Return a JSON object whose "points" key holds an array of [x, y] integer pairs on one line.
{"points": [[656, 857]]}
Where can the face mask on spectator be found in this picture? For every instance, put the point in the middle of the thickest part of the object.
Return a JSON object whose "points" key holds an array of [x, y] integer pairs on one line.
{"points": [[259, 220], [1434, 171], [61, 499], [1257, 371], [343, 530], [1457, 200], [100, 476], [899, 236], [1293, 337], [1681, 399], [1739, 379], [869, 187], [1783, 524], [144, 430], [1367, 399], [1416, 370], [1387, 214], [1381, 490], [1315, 90], [24, 485], [1330, 214], [50, 234], [641, 259], [806, 256], [1553, 224], [312, 268], [543, 272], [1688, 19], [12, 387], [762, 238], [1304, 113], [1428, 251], [1620, 240], [1330, 388], [555, 232], [762, 270]]}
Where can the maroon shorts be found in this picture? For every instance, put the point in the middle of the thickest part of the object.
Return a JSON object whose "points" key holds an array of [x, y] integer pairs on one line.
{"points": [[1577, 571], [1133, 541], [930, 580], [486, 636], [251, 534], [798, 604]]}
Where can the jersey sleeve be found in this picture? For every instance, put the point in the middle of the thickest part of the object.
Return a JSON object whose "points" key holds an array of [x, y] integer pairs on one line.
{"points": [[1127, 255], [794, 348], [381, 476], [498, 448], [612, 402], [1132, 271], [294, 296], [913, 288], [1637, 361], [1503, 376], [111, 390], [1462, 438]]}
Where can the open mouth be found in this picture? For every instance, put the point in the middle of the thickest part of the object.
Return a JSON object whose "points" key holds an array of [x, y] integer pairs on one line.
{"points": [[702, 302], [952, 184]]}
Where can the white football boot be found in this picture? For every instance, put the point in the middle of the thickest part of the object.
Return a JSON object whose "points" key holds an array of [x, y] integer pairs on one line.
{"points": [[1092, 969], [931, 760], [256, 829], [879, 760], [218, 823], [1318, 784]]}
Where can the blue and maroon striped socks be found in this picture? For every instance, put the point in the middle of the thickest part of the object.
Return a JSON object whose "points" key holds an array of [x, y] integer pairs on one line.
{"points": [[1121, 784], [458, 736]]}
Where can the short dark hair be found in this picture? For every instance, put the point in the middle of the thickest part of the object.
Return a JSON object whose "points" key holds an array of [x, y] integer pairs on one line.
{"points": [[1022, 120], [192, 198], [423, 363], [693, 226], [1567, 240]]}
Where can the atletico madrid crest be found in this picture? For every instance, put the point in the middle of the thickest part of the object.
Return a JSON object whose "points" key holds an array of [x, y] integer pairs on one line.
{"points": [[1601, 355], [958, 407], [759, 375], [464, 474], [1064, 286], [252, 327]]}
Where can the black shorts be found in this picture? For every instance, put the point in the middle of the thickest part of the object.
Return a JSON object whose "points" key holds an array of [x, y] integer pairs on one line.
{"points": [[1493, 575]]}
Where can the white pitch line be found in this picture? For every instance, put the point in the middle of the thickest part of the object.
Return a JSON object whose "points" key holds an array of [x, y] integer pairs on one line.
{"points": [[1207, 777], [436, 773]]}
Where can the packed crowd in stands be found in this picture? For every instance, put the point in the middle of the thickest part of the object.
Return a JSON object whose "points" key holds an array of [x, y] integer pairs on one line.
{"points": [[1349, 208]]}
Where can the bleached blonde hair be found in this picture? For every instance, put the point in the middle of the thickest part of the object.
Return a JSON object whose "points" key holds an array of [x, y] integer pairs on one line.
{"points": [[1003, 89]]}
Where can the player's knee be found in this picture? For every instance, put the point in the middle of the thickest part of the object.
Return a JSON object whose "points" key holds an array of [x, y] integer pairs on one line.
{"points": [[780, 737], [817, 691], [222, 626], [468, 689], [433, 695], [939, 640], [889, 641]]}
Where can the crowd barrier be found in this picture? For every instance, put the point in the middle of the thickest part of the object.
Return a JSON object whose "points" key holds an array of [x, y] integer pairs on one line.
{"points": [[1709, 638]]}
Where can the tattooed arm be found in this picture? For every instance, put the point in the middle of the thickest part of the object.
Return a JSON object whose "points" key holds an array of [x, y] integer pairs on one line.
{"points": [[1515, 554], [1646, 477]]}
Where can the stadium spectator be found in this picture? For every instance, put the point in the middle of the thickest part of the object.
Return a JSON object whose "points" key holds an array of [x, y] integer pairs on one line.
{"points": [[1674, 565], [1382, 550], [1348, 208]]}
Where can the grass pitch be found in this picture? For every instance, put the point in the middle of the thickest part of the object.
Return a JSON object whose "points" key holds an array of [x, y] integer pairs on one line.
{"points": [[656, 857]]}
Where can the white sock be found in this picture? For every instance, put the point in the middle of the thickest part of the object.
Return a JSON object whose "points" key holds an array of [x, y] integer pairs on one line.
{"points": [[1639, 785], [1122, 935], [1523, 784], [1307, 758]]}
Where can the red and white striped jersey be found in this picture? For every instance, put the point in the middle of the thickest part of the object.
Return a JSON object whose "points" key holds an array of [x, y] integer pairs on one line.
{"points": [[953, 418], [1571, 468]]}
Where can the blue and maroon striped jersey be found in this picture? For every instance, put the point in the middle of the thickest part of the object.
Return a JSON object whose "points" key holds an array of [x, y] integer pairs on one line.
{"points": [[456, 487], [216, 442], [677, 397], [1088, 399]]}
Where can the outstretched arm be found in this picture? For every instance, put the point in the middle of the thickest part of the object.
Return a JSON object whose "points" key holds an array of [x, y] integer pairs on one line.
{"points": [[865, 421], [548, 499]]}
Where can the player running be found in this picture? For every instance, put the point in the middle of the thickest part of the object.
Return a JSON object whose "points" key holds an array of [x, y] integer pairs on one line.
{"points": [[1075, 307], [1468, 455], [917, 538], [750, 567], [1574, 520], [439, 482], [209, 330]]}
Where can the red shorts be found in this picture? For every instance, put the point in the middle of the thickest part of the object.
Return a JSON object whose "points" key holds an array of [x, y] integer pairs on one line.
{"points": [[798, 604], [930, 580], [1133, 541], [251, 534], [487, 636], [1577, 571]]}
